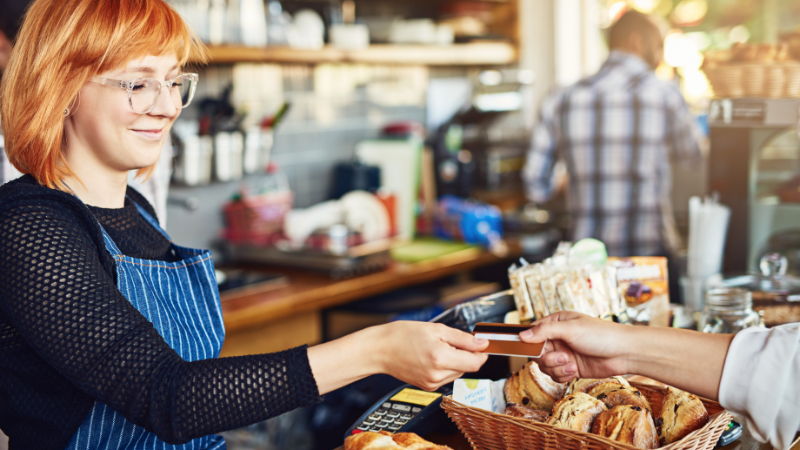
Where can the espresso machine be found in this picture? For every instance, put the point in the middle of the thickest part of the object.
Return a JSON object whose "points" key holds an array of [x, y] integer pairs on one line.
{"points": [[754, 166]]}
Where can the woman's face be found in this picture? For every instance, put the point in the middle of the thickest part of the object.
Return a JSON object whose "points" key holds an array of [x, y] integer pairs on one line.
{"points": [[104, 132]]}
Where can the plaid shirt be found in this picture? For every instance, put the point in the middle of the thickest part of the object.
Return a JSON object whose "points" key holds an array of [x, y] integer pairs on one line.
{"points": [[616, 131]]}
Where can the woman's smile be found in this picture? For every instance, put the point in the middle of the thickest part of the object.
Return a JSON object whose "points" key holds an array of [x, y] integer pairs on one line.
{"points": [[150, 134]]}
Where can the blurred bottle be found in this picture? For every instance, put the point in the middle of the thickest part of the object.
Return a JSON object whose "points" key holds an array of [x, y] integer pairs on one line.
{"points": [[233, 26], [216, 22], [277, 23], [253, 23]]}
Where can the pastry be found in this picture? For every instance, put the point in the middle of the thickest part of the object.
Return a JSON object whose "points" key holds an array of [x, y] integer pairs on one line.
{"points": [[576, 412], [612, 394], [369, 440], [383, 440], [630, 425], [586, 384], [638, 293], [681, 413], [523, 412], [532, 388], [412, 441]]}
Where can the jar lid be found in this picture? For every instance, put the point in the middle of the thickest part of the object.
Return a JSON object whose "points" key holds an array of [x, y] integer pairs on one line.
{"points": [[772, 278], [728, 297]]}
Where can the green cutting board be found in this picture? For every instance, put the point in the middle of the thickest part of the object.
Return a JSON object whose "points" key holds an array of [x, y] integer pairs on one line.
{"points": [[424, 248]]}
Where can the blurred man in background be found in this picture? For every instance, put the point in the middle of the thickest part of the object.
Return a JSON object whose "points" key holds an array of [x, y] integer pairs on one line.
{"points": [[616, 132]]}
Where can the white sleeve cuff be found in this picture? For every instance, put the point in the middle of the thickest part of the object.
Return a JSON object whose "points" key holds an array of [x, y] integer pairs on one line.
{"points": [[761, 382]]}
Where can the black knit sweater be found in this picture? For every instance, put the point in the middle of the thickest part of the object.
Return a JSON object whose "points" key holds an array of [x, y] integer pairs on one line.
{"points": [[68, 337]]}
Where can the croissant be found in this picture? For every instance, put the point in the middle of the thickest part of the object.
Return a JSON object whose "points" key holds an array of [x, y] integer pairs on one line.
{"points": [[383, 440]]}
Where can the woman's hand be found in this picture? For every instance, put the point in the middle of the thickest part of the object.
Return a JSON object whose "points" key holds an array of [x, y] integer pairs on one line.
{"points": [[580, 346], [426, 355], [429, 355]]}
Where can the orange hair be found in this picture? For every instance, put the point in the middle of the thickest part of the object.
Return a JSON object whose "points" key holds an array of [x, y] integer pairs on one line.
{"points": [[61, 45]]}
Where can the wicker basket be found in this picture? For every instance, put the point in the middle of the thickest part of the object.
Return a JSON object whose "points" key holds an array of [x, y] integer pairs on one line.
{"points": [[755, 80], [486, 430]]}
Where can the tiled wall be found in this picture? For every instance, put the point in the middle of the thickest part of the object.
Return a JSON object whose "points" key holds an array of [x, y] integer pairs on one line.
{"points": [[333, 107]]}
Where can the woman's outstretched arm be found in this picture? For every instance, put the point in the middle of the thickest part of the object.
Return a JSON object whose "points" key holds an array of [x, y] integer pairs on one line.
{"points": [[426, 355]]}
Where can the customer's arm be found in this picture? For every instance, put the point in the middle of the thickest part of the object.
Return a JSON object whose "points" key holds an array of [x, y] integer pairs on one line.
{"points": [[426, 355], [755, 373], [582, 346]]}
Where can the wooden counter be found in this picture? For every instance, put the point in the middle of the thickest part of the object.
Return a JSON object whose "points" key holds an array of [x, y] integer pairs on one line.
{"points": [[268, 318]]}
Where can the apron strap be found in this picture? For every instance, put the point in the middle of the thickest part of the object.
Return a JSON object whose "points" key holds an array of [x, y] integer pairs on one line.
{"points": [[150, 219]]}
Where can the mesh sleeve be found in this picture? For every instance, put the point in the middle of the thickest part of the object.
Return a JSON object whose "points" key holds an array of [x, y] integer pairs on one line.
{"points": [[58, 295]]}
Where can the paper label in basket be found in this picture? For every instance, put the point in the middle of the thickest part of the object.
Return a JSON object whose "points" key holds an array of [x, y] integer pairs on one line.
{"points": [[483, 394]]}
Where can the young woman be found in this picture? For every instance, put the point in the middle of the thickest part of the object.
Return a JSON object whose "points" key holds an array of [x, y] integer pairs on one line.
{"points": [[109, 333]]}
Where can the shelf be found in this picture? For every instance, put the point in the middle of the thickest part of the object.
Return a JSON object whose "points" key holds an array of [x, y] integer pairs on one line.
{"points": [[473, 54]]}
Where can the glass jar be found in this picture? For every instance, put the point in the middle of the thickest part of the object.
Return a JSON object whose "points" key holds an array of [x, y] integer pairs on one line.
{"points": [[728, 310]]}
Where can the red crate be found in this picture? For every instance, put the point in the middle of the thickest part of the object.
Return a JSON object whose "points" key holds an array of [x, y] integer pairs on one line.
{"points": [[257, 218]]}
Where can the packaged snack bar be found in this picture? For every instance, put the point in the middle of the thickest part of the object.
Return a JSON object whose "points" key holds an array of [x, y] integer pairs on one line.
{"points": [[601, 300], [580, 290], [521, 297], [548, 286], [533, 277]]}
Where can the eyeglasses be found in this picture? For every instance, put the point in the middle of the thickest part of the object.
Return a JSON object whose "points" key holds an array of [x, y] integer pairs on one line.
{"points": [[143, 92]]}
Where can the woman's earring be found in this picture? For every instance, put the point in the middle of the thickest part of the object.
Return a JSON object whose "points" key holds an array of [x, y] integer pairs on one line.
{"points": [[66, 112]]}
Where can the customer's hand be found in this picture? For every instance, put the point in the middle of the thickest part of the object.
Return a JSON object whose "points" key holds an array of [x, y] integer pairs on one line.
{"points": [[580, 346], [429, 355]]}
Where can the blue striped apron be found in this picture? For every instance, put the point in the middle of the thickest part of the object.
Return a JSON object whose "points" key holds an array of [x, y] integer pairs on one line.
{"points": [[182, 301]]}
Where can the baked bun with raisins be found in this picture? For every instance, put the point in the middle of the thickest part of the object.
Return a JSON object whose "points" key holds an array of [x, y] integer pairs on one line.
{"points": [[681, 413], [532, 388], [576, 412], [632, 425], [523, 412], [587, 384], [613, 394]]}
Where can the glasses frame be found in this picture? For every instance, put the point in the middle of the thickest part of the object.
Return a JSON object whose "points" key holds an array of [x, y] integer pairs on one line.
{"points": [[129, 84]]}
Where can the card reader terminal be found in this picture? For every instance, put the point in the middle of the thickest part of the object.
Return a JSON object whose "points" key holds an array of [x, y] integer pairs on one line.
{"points": [[406, 408]]}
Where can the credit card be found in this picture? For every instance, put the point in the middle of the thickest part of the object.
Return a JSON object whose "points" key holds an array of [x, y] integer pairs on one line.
{"points": [[504, 340]]}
